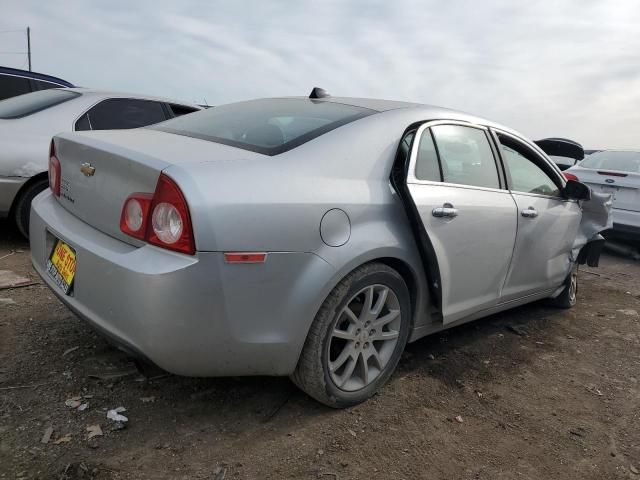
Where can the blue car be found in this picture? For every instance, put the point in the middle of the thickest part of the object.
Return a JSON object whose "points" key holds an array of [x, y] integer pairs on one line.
{"points": [[14, 82]]}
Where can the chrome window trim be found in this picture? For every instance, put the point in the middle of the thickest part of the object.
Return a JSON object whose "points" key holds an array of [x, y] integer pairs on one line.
{"points": [[413, 159]]}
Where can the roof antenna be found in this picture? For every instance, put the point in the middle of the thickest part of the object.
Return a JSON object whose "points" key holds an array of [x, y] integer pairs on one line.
{"points": [[318, 92]]}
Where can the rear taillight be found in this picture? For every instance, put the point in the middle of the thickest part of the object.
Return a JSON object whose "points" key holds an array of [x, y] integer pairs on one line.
{"points": [[55, 171], [570, 176], [161, 219], [135, 213]]}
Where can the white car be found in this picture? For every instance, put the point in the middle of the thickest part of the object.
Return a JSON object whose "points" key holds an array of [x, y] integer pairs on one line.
{"points": [[618, 173], [28, 122]]}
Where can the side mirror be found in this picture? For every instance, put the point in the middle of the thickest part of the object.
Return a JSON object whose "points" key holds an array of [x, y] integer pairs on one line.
{"points": [[576, 191]]}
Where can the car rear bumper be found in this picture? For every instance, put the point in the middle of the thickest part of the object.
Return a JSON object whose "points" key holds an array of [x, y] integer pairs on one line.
{"points": [[9, 188], [626, 222], [190, 315]]}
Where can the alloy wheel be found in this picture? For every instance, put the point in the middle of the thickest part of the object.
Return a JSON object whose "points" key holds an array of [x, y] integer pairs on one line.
{"points": [[364, 337]]}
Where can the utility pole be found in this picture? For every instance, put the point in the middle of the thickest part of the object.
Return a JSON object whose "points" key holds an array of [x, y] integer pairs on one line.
{"points": [[29, 46]]}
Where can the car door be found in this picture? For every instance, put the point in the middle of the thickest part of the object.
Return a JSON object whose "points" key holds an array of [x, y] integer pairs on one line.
{"points": [[547, 222], [121, 113], [466, 211]]}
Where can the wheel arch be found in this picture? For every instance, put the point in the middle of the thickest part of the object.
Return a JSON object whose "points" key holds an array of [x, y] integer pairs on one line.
{"points": [[25, 187]]}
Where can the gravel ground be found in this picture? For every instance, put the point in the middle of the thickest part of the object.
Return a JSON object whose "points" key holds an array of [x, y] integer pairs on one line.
{"points": [[531, 393]]}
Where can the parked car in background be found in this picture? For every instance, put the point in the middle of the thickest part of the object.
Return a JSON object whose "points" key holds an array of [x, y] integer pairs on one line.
{"points": [[564, 163], [28, 122], [14, 82], [617, 173], [310, 237]]}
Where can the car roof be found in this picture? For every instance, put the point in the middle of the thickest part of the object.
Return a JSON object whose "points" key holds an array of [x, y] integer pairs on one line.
{"points": [[34, 75], [114, 94], [428, 112]]}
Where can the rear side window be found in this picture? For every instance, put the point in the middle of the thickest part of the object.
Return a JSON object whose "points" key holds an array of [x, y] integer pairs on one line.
{"points": [[121, 113], [24, 105], [12, 86], [268, 126], [466, 157], [427, 167]]}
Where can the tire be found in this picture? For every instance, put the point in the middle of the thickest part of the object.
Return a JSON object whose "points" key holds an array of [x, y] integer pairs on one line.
{"points": [[371, 355], [569, 295], [22, 209]]}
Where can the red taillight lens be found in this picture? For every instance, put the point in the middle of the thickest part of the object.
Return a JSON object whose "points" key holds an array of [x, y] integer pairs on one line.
{"points": [[54, 170], [161, 219], [135, 213], [570, 176]]}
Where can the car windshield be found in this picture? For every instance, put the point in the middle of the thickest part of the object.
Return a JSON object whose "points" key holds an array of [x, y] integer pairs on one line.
{"points": [[268, 126], [622, 161], [30, 103]]}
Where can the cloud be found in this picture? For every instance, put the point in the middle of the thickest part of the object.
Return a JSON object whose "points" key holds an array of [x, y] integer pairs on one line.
{"points": [[566, 68]]}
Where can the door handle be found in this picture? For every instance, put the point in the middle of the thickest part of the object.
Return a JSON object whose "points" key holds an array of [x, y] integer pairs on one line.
{"points": [[446, 210], [529, 212]]}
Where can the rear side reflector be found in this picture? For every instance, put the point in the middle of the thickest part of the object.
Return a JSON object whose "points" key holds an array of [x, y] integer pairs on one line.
{"points": [[613, 174], [54, 170], [240, 257], [570, 176]]}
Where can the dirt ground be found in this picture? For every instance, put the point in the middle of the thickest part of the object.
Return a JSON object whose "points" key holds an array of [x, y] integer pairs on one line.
{"points": [[533, 393]]}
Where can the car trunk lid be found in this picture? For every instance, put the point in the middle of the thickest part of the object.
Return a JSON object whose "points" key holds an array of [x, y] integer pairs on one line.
{"points": [[100, 170], [623, 186]]}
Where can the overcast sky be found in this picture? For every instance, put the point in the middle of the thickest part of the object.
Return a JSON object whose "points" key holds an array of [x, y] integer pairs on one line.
{"points": [[547, 68]]}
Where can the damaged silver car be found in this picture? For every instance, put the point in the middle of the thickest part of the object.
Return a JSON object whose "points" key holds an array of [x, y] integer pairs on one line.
{"points": [[310, 237]]}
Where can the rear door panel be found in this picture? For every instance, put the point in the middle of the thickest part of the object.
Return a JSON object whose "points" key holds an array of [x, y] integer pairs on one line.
{"points": [[473, 249], [474, 245]]}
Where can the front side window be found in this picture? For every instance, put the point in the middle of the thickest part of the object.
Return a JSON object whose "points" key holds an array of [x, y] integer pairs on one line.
{"points": [[268, 126], [526, 176], [466, 157], [122, 113], [24, 105]]}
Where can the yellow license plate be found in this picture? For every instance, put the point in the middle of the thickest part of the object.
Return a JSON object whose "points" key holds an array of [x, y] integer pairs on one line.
{"points": [[62, 265]]}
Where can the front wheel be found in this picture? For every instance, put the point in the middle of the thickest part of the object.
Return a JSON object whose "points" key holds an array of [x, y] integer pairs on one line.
{"points": [[357, 337], [569, 295]]}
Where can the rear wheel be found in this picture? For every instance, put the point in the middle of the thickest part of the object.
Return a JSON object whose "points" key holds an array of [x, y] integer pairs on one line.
{"points": [[22, 209], [568, 296], [357, 337]]}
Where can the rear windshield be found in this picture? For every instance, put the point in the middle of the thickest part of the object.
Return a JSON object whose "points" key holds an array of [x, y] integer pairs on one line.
{"points": [[268, 126], [622, 161], [29, 103]]}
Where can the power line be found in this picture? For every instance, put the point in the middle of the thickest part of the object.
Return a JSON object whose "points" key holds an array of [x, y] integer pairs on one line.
{"points": [[13, 53], [12, 31]]}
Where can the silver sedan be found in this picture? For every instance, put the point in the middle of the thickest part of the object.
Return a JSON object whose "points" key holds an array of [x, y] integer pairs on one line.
{"points": [[310, 237]]}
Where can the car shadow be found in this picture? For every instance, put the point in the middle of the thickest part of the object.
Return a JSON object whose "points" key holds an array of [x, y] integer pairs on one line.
{"points": [[10, 237]]}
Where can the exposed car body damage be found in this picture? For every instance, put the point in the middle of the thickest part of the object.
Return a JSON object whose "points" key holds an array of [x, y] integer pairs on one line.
{"points": [[596, 218]]}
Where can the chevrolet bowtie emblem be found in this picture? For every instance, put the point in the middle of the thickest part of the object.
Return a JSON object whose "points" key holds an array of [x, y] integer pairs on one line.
{"points": [[87, 169]]}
